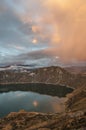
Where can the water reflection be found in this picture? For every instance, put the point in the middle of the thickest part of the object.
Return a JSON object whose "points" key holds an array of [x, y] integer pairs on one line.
{"points": [[15, 101], [35, 103], [45, 89]]}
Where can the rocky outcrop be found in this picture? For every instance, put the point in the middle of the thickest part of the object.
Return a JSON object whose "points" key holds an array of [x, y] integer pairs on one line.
{"points": [[39, 121]]}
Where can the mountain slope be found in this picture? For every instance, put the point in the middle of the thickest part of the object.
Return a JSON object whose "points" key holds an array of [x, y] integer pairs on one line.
{"points": [[52, 75], [77, 100]]}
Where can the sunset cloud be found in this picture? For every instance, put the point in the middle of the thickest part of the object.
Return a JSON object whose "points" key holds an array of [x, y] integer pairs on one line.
{"points": [[69, 19], [56, 26]]}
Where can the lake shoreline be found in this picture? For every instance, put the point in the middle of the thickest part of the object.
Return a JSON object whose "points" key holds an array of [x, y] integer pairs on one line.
{"points": [[53, 95]]}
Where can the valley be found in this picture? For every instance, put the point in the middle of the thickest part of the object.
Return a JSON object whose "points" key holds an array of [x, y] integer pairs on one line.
{"points": [[49, 78]]}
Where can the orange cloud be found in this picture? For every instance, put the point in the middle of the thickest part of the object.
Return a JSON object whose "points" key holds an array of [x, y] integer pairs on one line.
{"points": [[63, 23], [68, 20], [36, 29]]}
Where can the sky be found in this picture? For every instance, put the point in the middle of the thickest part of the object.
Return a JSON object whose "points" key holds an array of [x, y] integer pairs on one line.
{"points": [[43, 32]]}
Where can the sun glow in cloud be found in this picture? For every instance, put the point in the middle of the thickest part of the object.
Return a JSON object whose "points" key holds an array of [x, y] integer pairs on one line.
{"points": [[36, 29], [68, 22], [59, 26], [35, 41]]}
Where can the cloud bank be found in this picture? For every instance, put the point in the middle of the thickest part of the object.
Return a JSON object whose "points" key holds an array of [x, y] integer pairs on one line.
{"points": [[65, 24], [57, 27]]}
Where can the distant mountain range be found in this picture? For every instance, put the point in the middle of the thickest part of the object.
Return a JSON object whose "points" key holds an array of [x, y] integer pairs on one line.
{"points": [[71, 69], [52, 75]]}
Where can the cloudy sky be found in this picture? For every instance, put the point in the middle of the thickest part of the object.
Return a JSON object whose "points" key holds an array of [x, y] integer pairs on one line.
{"points": [[43, 32]]}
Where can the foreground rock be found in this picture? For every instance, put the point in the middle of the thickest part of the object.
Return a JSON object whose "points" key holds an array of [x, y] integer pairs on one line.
{"points": [[38, 121]]}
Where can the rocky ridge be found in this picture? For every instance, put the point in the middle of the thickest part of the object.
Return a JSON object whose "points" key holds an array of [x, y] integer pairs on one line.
{"points": [[39, 121], [48, 75]]}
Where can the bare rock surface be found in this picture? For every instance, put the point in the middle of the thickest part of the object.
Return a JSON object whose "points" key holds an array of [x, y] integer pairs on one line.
{"points": [[39, 121]]}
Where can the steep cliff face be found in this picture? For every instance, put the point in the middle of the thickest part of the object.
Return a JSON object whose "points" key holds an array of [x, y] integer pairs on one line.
{"points": [[53, 75], [77, 100]]}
